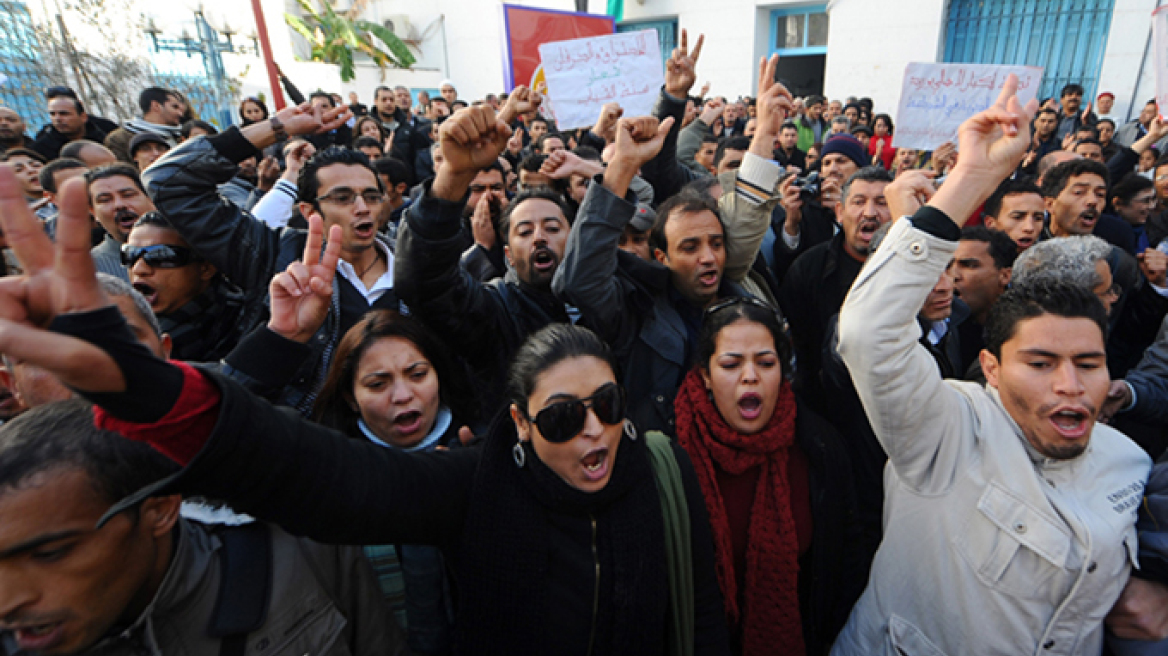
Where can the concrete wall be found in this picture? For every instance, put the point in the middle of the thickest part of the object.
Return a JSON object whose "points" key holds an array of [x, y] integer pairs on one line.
{"points": [[1130, 28], [871, 41]]}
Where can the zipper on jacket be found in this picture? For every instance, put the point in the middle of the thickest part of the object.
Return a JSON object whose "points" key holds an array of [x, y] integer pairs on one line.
{"points": [[595, 588]]}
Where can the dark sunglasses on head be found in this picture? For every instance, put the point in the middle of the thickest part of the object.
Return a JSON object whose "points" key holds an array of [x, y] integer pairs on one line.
{"points": [[563, 420], [159, 256]]}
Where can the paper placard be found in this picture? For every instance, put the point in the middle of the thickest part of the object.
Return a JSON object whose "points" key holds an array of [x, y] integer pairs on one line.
{"points": [[936, 98], [584, 74], [1160, 40]]}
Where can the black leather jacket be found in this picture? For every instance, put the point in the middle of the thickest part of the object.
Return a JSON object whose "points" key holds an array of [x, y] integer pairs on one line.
{"points": [[184, 187]]}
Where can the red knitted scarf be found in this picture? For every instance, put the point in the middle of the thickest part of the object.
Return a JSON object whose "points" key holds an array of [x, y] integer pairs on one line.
{"points": [[770, 617]]}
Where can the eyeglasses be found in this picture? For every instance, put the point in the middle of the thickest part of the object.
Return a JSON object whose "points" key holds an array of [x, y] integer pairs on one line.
{"points": [[1114, 291], [563, 420], [159, 256], [346, 197]]}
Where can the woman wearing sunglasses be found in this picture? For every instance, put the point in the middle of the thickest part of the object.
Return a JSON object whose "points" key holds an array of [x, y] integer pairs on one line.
{"points": [[777, 484], [553, 528]]}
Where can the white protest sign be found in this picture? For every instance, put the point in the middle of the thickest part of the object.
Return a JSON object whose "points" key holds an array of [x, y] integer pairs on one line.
{"points": [[584, 74], [936, 98], [1160, 39]]}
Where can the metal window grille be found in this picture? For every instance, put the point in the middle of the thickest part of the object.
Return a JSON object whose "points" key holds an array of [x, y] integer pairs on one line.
{"points": [[1065, 37]]}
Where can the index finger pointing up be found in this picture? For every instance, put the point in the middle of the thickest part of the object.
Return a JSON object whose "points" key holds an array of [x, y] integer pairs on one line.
{"points": [[697, 51], [315, 237]]}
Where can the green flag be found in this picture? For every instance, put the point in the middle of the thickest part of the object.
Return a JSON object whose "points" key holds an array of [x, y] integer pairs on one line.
{"points": [[616, 9]]}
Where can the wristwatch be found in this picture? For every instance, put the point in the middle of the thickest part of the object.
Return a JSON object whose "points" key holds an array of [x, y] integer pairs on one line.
{"points": [[278, 128]]}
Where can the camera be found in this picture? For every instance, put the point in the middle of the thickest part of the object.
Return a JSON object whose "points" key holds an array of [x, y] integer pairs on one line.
{"points": [[809, 186]]}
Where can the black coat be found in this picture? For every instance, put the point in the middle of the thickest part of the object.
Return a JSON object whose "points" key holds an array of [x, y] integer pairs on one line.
{"points": [[49, 142], [274, 465]]}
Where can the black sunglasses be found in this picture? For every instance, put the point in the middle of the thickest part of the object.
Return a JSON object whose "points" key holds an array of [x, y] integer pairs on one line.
{"points": [[563, 420], [159, 256]]}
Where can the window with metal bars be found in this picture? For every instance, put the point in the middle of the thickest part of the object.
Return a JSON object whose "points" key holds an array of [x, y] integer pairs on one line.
{"points": [[1065, 37]]}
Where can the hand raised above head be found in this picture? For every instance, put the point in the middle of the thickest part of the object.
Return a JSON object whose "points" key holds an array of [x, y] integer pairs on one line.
{"points": [[472, 139], [521, 101], [681, 67], [638, 140]]}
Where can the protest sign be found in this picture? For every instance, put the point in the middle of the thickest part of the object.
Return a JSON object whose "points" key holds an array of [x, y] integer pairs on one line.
{"points": [[1160, 39], [936, 98], [526, 28], [584, 74]]}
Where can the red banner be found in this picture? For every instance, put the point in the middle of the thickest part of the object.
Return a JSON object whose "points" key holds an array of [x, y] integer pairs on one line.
{"points": [[525, 29]]}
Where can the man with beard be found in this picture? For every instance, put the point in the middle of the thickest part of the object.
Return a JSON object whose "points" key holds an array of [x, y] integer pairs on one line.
{"points": [[483, 254], [484, 322], [1007, 505], [815, 286], [12, 131], [802, 222], [162, 114], [1073, 116], [117, 199]]}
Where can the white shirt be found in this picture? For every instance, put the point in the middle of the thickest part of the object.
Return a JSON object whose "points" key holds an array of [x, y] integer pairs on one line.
{"points": [[382, 284]]}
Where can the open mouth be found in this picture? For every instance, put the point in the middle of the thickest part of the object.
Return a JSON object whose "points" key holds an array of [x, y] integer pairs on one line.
{"points": [[364, 229], [38, 637], [708, 279], [750, 406], [147, 291], [125, 219], [1071, 423], [868, 229], [1088, 218], [408, 422], [595, 463], [543, 259], [1024, 243]]}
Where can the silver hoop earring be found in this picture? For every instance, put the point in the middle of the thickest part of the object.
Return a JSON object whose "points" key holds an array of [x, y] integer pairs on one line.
{"points": [[518, 454], [630, 430]]}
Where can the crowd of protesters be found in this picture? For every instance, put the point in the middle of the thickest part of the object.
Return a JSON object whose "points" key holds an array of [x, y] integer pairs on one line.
{"points": [[433, 376]]}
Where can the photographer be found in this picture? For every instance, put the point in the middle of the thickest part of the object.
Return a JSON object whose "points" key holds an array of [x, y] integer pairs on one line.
{"points": [[806, 220]]}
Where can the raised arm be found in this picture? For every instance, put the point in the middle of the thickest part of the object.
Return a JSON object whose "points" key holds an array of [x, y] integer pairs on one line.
{"points": [[184, 187], [746, 207], [587, 276], [664, 171], [427, 275], [265, 461], [909, 408]]}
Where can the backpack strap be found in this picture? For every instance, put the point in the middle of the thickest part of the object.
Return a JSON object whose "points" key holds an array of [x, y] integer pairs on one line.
{"points": [[245, 585], [678, 548]]}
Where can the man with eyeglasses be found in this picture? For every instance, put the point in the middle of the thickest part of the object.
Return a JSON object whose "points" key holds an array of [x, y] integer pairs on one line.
{"points": [[69, 122], [338, 185], [204, 314]]}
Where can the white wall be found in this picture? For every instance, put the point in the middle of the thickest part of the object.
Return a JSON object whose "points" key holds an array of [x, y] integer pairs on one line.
{"points": [[1130, 27], [871, 41]]}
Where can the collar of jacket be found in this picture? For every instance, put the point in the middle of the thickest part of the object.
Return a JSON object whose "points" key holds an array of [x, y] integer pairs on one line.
{"points": [[189, 570]]}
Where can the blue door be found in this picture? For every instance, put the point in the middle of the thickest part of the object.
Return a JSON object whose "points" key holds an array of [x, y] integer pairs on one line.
{"points": [[1065, 37]]}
